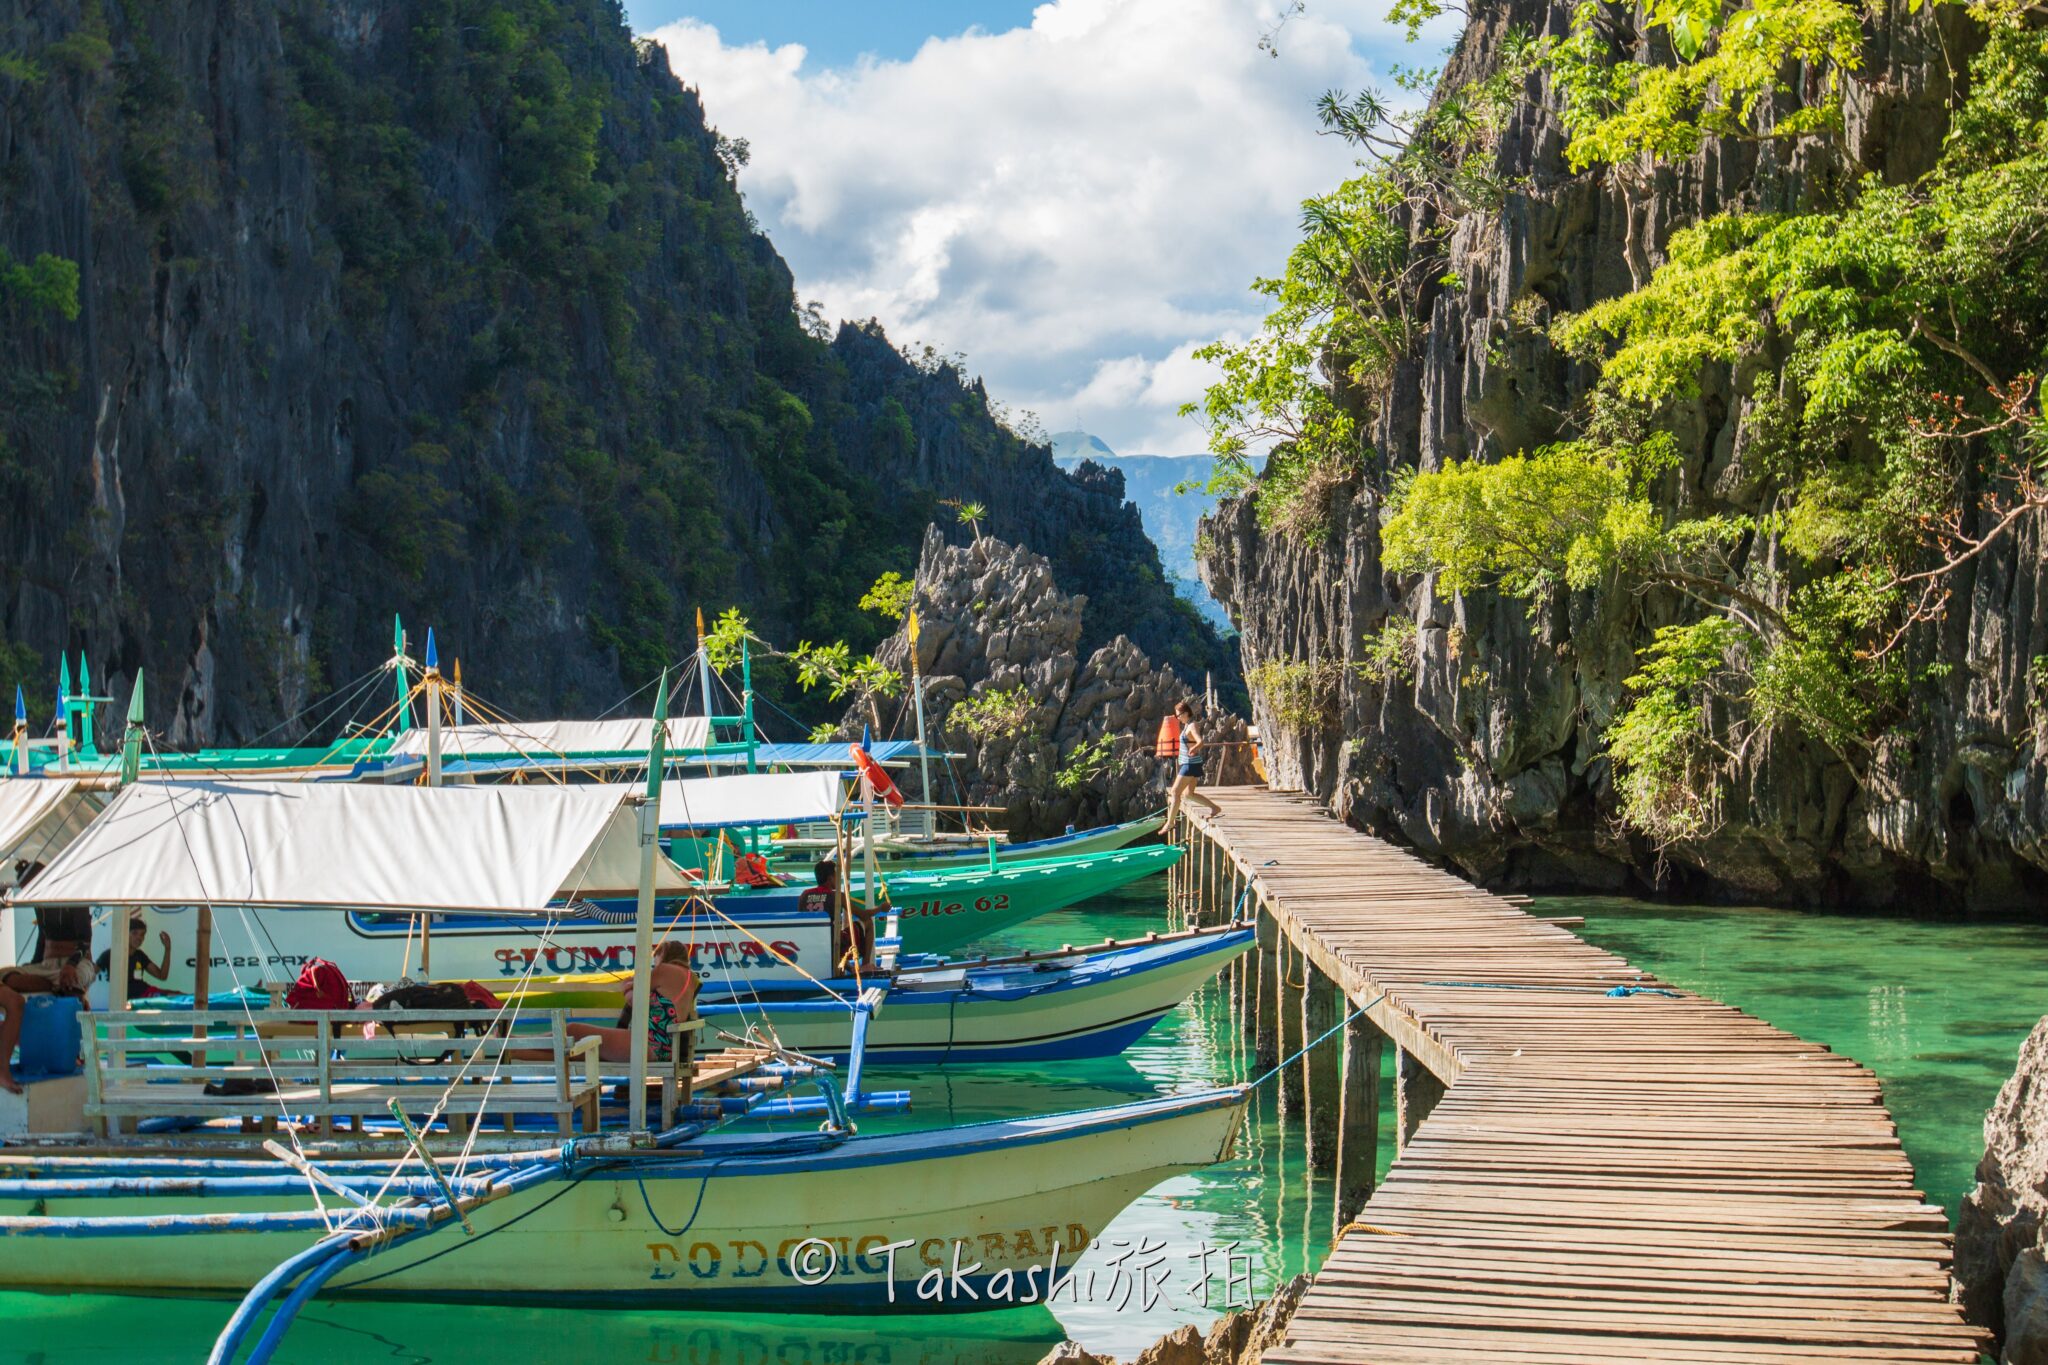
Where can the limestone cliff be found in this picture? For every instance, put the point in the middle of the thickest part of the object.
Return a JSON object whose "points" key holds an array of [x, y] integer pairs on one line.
{"points": [[1491, 755], [449, 308], [2001, 1267]]}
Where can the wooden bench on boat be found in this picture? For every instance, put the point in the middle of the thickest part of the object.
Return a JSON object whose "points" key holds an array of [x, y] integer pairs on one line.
{"points": [[324, 1069]]}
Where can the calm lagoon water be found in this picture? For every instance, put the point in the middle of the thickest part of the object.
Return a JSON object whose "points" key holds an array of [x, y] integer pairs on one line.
{"points": [[1937, 1009]]}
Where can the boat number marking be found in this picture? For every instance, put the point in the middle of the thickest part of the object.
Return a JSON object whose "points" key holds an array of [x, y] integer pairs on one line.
{"points": [[980, 904]]}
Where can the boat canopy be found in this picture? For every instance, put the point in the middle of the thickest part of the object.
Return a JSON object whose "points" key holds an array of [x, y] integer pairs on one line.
{"points": [[40, 816], [750, 799], [555, 738], [446, 850], [894, 752]]}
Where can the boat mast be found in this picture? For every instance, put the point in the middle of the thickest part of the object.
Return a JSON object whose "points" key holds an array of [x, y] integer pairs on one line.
{"points": [[643, 913], [85, 700], [403, 719], [704, 692], [432, 681], [117, 929], [63, 714], [924, 764]]}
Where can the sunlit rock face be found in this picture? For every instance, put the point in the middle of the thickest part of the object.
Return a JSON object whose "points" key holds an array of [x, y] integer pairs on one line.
{"points": [[1491, 757], [2001, 1266], [993, 619]]}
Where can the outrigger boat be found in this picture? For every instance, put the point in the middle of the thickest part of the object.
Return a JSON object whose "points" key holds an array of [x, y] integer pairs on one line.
{"points": [[900, 854], [1057, 1005], [690, 1212]]}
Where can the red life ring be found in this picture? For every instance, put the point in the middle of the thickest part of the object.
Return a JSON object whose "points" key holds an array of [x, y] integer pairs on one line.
{"points": [[877, 776]]}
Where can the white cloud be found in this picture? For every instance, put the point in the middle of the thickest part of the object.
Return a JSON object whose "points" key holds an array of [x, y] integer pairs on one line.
{"points": [[1075, 205]]}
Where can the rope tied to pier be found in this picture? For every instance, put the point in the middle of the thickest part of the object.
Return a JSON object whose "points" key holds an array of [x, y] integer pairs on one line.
{"points": [[1310, 1046]]}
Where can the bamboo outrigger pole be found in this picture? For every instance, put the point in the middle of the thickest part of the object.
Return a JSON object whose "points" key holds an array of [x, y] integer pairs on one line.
{"points": [[643, 916]]}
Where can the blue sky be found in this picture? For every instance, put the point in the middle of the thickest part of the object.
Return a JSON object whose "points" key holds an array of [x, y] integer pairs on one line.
{"points": [[837, 31], [1074, 195]]}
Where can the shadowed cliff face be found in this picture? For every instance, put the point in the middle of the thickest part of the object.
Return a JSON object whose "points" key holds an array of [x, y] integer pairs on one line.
{"points": [[1492, 756], [449, 308]]}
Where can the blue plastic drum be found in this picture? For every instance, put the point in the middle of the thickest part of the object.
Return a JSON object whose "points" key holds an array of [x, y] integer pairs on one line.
{"points": [[49, 1037]]}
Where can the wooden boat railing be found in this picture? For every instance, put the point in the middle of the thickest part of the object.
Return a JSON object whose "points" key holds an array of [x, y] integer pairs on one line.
{"points": [[317, 1065]]}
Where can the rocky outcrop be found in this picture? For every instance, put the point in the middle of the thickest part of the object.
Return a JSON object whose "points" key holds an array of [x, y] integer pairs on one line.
{"points": [[450, 310], [2001, 1265], [1240, 1338], [1075, 748], [1491, 756]]}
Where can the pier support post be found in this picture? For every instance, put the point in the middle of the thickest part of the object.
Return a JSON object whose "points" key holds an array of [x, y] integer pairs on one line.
{"points": [[1288, 964], [1416, 1091], [1358, 1117], [1262, 989], [1321, 1104]]}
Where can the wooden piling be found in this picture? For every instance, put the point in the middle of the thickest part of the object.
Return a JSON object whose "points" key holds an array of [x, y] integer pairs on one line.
{"points": [[1358, 1117], [1321, 1008], [1287, 988], [1264, 988], [1416, 1091]]}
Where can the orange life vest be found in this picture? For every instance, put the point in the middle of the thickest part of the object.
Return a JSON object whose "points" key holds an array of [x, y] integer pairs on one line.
{"points": [[751, 869], [1168, 743], [877, 776]]}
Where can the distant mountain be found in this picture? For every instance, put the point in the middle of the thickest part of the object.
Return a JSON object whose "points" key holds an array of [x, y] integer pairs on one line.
{"points": [[1170, 517]]}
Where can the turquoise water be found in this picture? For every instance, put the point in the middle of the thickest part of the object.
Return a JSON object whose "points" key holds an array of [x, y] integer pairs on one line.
{"points": [[1937, 1009]]}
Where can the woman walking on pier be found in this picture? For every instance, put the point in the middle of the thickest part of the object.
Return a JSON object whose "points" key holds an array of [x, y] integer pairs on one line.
{"points": [[1188, 769]]}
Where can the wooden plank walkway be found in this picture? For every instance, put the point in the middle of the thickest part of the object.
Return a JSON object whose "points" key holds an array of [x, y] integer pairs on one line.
{"points": [[1639, 1178]]}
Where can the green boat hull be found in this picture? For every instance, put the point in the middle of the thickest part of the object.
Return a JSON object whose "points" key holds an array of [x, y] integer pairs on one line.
{"points": [[942, 911]]}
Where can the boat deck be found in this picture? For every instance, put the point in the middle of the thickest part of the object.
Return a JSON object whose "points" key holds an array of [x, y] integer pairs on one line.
{"points": [[1653, 1176]]}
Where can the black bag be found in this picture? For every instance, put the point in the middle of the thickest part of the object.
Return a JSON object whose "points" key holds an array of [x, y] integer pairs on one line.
{"points": [[431, 995], [426, 995]]}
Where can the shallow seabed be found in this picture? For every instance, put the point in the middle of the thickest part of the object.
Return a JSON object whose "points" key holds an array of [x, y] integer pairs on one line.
{"points": [[1937, 1009]]}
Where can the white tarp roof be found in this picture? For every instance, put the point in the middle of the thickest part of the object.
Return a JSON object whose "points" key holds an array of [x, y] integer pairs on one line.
{"points": [[455, 850], [749, 799], [39, 816], [551, 738]]}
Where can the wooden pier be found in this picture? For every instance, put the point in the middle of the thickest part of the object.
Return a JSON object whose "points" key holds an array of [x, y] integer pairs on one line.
{"points": [[1583, 1176]]}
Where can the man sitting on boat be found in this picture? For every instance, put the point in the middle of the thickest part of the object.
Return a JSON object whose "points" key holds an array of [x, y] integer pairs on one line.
{"points": [[57, 963], [59, 966], [823, 899]]}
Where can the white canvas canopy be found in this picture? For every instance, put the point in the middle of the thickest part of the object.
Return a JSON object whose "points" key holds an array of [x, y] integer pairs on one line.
{"points": [[452, 850], [555, 738], [40, 816], [749, 799]]}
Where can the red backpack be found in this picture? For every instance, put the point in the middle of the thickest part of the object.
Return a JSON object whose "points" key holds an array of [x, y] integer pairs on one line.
{"points": [[321, 986]]}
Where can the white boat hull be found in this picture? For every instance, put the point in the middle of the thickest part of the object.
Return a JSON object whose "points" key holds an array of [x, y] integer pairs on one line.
{"points": [[715, 1227]]}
